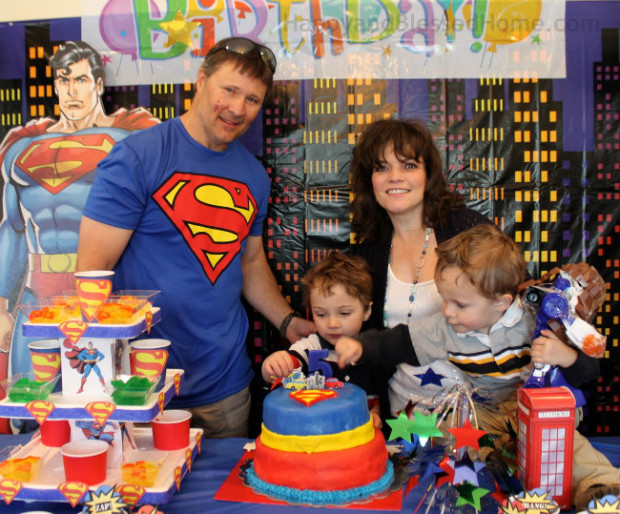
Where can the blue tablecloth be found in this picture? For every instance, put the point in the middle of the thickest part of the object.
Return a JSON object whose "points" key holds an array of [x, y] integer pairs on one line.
{"points": [[212, 467]]}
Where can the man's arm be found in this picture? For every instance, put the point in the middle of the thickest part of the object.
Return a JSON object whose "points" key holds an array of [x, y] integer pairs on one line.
{"points": [[100, 246], [261, 290]]}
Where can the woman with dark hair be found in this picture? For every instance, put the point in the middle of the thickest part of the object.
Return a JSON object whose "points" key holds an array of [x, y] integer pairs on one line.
{"points": [[402, 209]]}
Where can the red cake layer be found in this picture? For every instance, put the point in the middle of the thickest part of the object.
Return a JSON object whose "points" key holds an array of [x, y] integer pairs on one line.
{"points": [[325, 471]]}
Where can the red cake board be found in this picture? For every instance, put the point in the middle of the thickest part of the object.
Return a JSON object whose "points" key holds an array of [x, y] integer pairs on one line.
{"points": [[233, 490]]}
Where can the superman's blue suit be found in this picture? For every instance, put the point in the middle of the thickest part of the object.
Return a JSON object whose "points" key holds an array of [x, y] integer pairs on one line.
{"points": [[47, 177]]}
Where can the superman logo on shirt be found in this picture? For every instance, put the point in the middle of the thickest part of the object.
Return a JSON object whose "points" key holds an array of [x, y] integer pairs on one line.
{"points": [[213, 214]]}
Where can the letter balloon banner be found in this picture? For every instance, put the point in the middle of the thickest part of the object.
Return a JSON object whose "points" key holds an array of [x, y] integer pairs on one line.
{"points": [[156, 41]]}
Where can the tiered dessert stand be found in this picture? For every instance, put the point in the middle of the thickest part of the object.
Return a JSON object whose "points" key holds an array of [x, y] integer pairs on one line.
{"points": [[49, 483]]}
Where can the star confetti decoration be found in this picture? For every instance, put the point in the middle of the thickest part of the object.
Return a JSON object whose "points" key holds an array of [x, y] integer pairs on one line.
{"points": [[486, 440], [411, 483], [447, 465], [499, 495], [179, 30], [387, 50], [466, 471], [401, 427], [536, 39], [425, 426], [430, 377], [470, 494], [467, 435], [432, 469], [406, 448]]}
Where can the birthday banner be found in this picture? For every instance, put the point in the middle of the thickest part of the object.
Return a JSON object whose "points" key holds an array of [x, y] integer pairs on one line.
{"points": [[164, 41]]}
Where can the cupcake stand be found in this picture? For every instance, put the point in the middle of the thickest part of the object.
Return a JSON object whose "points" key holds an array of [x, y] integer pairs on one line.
{"points": [[134, 432]]}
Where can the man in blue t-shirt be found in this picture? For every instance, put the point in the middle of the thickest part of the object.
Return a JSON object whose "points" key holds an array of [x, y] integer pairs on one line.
{"points": [[179, 209]]}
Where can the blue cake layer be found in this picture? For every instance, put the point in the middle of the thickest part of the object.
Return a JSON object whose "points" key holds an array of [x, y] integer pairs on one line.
{"points": [[283, 415]]}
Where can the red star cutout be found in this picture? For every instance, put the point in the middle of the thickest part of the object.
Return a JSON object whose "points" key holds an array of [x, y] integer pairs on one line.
{"points": [[411, 483], [467, 435], [448, 478], [499, 495]]}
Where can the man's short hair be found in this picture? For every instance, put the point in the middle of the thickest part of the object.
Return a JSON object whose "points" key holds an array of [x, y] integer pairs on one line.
{"points": [[71, 52], [250, 63]]}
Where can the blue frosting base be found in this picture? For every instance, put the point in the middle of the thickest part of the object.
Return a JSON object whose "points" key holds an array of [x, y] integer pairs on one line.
{"points": [[319, 498], [285, 416]]}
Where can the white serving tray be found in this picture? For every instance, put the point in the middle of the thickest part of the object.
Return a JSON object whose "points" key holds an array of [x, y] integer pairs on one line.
{"points": [[99, 330], [49, 482], [76, 408]]}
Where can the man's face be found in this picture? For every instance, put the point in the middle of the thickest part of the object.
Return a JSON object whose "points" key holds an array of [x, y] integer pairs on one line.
{"points": [[226, 103], [78, 91]]}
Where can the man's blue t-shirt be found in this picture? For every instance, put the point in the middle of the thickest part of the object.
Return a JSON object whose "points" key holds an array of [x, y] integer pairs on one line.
{"points": [[191, 210]]}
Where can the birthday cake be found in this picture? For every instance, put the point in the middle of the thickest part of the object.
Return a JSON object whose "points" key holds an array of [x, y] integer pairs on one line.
{"points": [[319, 447]]}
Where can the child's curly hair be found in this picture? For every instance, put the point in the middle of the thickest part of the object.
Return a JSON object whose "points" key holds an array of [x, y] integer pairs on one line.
{"points": [[352, 272]]}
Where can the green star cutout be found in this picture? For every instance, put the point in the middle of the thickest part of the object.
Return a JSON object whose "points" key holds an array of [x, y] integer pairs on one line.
{"points": [[425, 426], [510, 459], [536, 39], [470, 494], [486, 440], [401, 427]]}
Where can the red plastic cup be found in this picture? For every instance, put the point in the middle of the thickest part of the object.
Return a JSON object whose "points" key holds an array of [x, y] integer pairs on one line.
{"points": [[55, 432], [85, 461], [171, 429]]}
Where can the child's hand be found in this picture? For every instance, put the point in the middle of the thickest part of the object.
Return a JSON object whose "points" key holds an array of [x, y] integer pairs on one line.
{"points": [[348, 350], [278, 364], [376, 417], [549, 349]]}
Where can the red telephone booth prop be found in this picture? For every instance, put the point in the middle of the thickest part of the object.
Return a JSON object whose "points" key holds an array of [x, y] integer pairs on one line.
{"points": [[545, 441]]}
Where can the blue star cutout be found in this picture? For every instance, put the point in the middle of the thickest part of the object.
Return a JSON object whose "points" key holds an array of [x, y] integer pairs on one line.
{"points": [[430, 377], [432, 469], [466, 471], [408, 447]]}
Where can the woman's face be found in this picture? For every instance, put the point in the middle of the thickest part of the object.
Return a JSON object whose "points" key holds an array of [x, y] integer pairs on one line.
{"points": [[399, 185]]}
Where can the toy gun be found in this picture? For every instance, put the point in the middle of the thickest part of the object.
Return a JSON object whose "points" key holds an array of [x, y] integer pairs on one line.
{"points": [[566, 300]]}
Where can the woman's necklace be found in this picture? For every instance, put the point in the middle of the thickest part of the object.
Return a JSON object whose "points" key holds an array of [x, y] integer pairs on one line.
{"points": [[414, 287]]}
